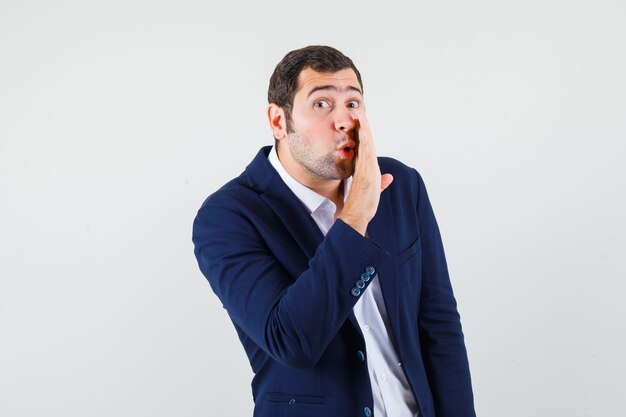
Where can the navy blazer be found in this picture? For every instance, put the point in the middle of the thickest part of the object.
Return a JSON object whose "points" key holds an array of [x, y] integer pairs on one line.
{"points": [[289, 291]]}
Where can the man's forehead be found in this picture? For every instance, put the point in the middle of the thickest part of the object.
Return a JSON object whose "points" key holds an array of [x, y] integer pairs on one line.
{"points": [[344, 79]]}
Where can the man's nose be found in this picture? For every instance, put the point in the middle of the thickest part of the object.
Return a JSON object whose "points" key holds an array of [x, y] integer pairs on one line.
{"points": [[345, 120]]}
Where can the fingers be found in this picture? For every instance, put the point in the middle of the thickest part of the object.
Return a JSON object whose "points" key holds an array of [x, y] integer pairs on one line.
{"points": [[363, 128], [367, 149]]}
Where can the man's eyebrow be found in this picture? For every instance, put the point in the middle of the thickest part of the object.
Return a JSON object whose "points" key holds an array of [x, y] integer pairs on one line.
{"points": [[335, 88]]}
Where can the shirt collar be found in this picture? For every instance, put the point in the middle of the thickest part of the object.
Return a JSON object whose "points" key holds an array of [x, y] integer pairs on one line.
{"points": [[311, 200]]}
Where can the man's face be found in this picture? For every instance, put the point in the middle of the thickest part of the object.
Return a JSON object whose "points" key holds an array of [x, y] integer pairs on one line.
{"points": [[322, 144]]}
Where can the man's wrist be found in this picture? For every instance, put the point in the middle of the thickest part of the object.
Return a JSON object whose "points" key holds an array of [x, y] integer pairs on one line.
{"points": [[356, 222]]}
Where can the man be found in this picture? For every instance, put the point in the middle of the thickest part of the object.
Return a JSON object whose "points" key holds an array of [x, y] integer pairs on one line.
{"points": [[334, 274]]}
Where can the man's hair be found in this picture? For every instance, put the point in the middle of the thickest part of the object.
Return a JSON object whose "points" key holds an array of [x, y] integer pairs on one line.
{"points": [[284, 80]]}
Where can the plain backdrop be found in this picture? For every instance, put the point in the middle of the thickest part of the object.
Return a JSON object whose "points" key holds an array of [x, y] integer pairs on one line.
{"points": [[117, 119]]}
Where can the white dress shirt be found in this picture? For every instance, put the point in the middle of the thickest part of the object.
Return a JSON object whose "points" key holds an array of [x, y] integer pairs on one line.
{"points": [[390, 388]]}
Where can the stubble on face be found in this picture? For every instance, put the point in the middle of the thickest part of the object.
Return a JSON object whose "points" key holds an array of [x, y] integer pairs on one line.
{"points": [[324, 167]]}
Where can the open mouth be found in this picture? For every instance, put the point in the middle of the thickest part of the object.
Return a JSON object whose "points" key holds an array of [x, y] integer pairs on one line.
{"points": [[347, 152]]}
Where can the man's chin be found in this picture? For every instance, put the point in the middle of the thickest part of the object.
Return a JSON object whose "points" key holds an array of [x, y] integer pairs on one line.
{"points": [[334, 170], [346, 172]]}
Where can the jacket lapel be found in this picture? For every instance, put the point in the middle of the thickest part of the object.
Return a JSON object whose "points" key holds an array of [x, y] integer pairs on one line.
{"points": [[264, 179]]}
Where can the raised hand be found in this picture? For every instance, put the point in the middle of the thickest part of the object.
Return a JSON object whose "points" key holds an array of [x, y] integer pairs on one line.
{"points": [[367, 181]]}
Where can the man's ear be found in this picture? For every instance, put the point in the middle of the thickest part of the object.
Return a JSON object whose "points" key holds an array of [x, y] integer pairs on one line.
{"points": [[276, 117]]}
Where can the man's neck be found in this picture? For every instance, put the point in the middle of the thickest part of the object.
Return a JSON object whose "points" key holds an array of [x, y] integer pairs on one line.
{"points": [[331, 189]]}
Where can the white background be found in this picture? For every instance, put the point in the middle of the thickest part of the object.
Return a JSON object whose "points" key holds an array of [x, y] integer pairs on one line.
{"points": [[117, 119]]}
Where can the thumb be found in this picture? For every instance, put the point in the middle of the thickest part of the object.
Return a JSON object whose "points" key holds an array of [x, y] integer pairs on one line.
{"points": [[385, 181]]}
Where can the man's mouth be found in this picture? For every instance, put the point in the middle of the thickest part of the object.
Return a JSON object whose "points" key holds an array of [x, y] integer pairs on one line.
{"points": [[347, 152]]}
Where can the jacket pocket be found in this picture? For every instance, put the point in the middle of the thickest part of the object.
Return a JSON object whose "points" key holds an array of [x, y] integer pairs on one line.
{"points": [[290, 399], [409, 252]]}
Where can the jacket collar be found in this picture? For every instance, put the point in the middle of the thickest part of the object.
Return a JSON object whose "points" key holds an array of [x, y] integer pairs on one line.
{"points": [[263, 178]]}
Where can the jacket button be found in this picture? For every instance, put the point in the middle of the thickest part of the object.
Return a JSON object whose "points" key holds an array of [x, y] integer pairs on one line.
{"points": [[365, 277], [360, 284], [370, 270], [361, 355], [367, 412], [356, 292]]}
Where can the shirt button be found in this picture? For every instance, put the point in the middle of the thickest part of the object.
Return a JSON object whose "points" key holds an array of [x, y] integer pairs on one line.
{"points": [[367, 412], [361, 355], [383, 376], [366, 328]]}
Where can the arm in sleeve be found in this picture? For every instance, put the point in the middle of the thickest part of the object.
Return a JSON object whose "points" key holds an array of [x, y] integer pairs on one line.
{"points": [[293, 319], [442, 342]]}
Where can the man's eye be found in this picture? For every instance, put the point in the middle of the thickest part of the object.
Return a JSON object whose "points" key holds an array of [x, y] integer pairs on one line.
{"points": [[322, 104], [353, 104]]}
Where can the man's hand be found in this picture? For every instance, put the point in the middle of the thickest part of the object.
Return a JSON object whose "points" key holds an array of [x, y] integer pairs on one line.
{"points": [[367, 181]]}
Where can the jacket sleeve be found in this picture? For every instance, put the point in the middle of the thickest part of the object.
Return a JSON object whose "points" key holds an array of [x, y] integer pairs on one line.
{"points": [[442, 342], [291, 318]]}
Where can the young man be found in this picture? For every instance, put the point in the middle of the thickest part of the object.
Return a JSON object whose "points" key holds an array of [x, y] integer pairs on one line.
{"points": [[334, 274]]}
